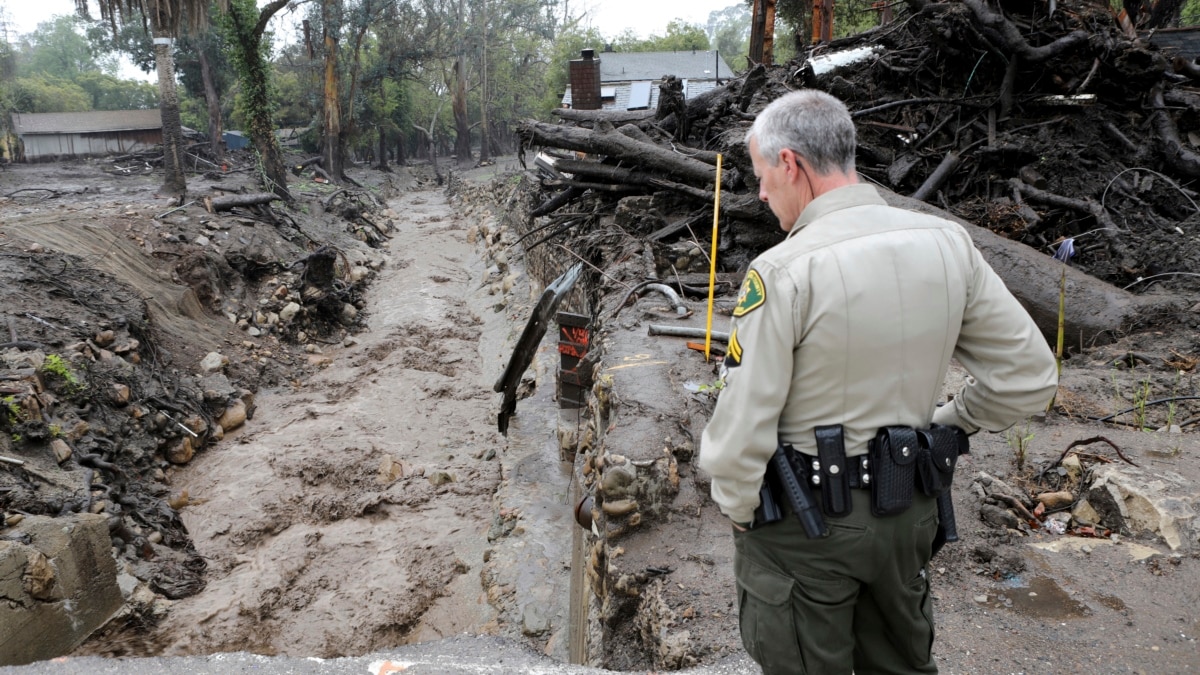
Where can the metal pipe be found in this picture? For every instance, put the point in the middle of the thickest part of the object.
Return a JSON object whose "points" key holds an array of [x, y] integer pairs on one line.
{"points": [[677, 304], [686, 332]]}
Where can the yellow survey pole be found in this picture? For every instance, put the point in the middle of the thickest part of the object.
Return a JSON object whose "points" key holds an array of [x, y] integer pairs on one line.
{"points": [[712, 263]]}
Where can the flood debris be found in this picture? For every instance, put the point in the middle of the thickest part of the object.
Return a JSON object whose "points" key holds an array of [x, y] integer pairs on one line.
{"points": [[1036, 127]]}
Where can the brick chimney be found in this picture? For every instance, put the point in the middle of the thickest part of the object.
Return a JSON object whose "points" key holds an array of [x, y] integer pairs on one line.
{"points": [[585, 81]]}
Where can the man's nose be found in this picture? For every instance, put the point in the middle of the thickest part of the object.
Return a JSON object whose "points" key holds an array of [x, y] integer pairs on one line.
{"points": [[762, 195]]}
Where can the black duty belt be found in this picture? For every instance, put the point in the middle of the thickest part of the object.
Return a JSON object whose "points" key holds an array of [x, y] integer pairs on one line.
{"points": [[809, 466]]}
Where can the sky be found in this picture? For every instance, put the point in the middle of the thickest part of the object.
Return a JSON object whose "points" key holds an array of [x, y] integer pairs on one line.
{"points": [[611, 17], [644, 17]]}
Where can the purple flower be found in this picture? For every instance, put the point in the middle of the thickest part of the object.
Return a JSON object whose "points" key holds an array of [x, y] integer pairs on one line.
{"points": [[1065, 250]]}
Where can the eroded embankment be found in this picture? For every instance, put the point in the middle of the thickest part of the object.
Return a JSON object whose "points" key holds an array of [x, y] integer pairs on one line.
{"points": [[651, 554]]}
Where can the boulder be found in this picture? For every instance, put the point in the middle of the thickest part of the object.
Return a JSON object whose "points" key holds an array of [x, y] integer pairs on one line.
{"points": [[1134, 501], [58, 588]]}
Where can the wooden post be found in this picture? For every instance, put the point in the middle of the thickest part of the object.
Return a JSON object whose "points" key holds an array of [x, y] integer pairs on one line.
{"points": [[762, 32]]}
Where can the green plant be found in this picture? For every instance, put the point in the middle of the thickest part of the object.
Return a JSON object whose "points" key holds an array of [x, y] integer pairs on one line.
{"points": [[1118, 402], [14, 410], [57, 366], [1140, 396], [1018, 438], [1172, 405]]}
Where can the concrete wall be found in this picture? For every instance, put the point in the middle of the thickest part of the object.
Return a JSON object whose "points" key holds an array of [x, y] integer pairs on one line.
{"points": [[57, 588]]}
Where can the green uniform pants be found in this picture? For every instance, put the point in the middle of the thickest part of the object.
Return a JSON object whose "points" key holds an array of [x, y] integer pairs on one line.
{"points": [[855, 601]]}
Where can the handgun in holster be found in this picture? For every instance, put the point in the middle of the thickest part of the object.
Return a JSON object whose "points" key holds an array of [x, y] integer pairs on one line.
{"points": [[780, 482], [941, 448]]}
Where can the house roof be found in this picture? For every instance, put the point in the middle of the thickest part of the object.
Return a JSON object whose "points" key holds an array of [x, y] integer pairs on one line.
{"points": [[86, 122], [621, 94], [630, 66], [1183, 41]]}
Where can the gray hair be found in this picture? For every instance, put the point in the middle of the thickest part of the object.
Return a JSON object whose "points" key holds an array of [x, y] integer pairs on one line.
{"points": [[811, 123]]}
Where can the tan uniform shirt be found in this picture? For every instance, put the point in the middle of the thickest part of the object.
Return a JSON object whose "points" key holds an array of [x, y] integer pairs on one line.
{"points": [[852, 320]]}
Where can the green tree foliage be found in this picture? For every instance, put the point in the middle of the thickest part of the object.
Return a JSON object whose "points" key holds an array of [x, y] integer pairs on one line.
{"points": [[42, 93], [567, 46], [680, 36], [61, 47], [729, 33], [113, 93], [68, 65]]}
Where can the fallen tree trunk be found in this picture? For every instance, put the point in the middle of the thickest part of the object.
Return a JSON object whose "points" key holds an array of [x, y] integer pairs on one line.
{"points": [[732, 206], [227, 202], [614, 144], [614, 117], [1096, 312]]}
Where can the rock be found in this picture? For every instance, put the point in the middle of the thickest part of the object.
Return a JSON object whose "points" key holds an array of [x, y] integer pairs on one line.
{"points": [[1134, 501], [234, 415], [1073, 466], [182, 451], [620, 507], [214, 361], [202, 240], [358, 273], [289, 312], [998, 517], [130, 345], [616, 483], [120, 394], [1056, 500], [534, 621], [253, 331], [349, 313], [62, 451], [105, 338], [219, 385], [438, 478], [981, 599], [1084, 513], [58, 589]]}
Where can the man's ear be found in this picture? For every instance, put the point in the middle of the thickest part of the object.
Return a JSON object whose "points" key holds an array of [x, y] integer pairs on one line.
{"points": [[791, 162]]}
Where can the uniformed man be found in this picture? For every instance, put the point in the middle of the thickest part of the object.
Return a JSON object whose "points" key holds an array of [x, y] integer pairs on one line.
{"points": [[852, 321]]}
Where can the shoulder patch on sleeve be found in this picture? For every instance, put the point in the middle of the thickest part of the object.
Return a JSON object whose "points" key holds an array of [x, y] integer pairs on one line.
{"points": [[752, 295], [733, 355]]}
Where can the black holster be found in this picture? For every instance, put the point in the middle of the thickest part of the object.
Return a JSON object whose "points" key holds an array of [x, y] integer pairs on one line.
{"points": [[940, 449], [782, 483]]}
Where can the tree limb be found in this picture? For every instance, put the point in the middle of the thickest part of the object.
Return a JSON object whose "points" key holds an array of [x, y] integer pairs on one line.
{"points": [[1015, 42]]}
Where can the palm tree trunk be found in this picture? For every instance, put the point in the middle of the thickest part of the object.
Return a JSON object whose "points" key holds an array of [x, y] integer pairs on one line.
{"points": [[174, 183]]}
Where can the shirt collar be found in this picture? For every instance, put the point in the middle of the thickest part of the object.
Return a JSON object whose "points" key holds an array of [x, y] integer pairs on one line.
{"points": [[858, 194]]}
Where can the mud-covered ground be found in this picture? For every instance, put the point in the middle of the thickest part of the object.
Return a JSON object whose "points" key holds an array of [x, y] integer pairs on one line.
{"points": [[369, 501]]}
